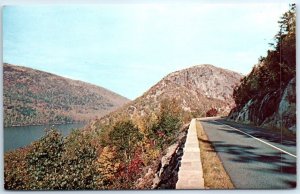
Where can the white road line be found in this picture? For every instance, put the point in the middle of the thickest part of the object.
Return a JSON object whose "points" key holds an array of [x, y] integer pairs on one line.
{"points": [[259, 140]]}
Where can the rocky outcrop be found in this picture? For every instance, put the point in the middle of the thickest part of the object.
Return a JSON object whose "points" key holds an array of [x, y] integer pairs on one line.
{"points": [[211, 81], [200, 87], [165, 175], [276, 109]]}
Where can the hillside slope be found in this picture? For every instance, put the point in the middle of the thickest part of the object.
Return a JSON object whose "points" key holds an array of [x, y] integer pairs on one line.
{"points": [[267, 96], [36, 97], [196, 89]]}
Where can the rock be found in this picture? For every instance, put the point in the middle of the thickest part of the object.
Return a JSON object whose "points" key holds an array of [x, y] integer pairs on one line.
{"points": [[287, 106], [293, 128], [275, 109], [243, 115], [209, 80], [285, 117], [167, 175], [156, 181], [163, 174], [165, 160], [164, 164], [146, 181]]}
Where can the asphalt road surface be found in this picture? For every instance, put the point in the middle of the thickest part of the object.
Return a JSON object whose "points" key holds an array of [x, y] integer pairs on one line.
{"points": [[253, 159]]}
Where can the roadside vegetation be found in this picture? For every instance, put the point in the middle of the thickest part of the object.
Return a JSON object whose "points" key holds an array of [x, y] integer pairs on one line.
{"points": [[268, 92], [106, 157], [275, 70], [215, 176]]}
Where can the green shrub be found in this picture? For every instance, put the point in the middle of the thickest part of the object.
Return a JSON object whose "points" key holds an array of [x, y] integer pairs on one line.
{"points": [[79, 162], [166, 130], [124, 136], [58, 163], [44, 161]]}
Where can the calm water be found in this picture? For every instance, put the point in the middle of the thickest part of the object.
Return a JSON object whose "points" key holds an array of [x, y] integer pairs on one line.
{"points": [[16, 137]]}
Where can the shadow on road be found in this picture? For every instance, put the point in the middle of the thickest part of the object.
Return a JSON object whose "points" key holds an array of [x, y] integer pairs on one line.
{"points": [[248, 154], [271, 161], [256, 132]]}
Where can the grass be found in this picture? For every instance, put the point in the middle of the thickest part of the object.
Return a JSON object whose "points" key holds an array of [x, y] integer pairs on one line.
{"points": [[215, 176]]}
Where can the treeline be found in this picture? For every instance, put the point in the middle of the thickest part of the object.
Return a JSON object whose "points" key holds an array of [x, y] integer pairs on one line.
{"points": [[105, 157], [276, 69], [21, 115]]}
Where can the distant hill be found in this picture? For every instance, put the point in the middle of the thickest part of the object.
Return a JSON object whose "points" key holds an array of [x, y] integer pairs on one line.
{"points": [[197, 89], [36, 97]]}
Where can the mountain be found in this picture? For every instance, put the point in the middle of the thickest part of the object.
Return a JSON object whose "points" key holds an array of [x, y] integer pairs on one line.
{"points": [[36, 97], [207, 80], [197, 90]]}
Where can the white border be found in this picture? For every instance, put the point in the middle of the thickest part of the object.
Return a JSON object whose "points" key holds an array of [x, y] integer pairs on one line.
{"points": [[70, 2]]}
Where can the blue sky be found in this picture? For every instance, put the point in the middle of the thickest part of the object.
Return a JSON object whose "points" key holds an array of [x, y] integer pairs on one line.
{"points": [[127, 48]]}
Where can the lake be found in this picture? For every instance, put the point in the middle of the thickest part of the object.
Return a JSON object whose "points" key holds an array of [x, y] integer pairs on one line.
{"points": [[16, 137]]}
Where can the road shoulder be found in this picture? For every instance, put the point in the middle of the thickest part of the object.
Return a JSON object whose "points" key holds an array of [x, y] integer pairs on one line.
{"points": [[215, 176]]}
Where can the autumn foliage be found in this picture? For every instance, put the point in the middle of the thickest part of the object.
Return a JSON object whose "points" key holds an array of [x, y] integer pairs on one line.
{"points": [[274, 71], [212, 112], [106, 157]]}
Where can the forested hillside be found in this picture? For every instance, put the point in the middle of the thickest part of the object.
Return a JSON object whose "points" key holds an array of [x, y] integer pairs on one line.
{"points": [[37, 97], [267, 96]]}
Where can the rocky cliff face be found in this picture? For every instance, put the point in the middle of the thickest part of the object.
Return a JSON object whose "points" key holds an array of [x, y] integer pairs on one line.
{"points": [[208, 80], [276, 109], [197, 88]]}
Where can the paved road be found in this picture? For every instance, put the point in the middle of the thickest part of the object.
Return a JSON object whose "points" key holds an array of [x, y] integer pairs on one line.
{"points": [[268, 162]]}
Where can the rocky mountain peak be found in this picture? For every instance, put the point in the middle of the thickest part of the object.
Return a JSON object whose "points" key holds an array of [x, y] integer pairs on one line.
{"points": [[210, 81]]}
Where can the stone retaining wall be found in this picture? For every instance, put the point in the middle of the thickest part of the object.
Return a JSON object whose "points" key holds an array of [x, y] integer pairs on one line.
{"points": [[190, 175]]}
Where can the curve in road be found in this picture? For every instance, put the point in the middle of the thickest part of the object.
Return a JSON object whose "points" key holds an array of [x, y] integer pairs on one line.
{"points": [[253, 158]]}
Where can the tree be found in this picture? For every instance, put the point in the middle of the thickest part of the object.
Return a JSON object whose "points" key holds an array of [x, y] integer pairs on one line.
{"points": [[79, 162], [124, 137], [277, 68], [168, 123]]}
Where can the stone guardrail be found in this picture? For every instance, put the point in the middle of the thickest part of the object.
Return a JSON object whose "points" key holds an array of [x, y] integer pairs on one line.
{"points": [[190, 175]]}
